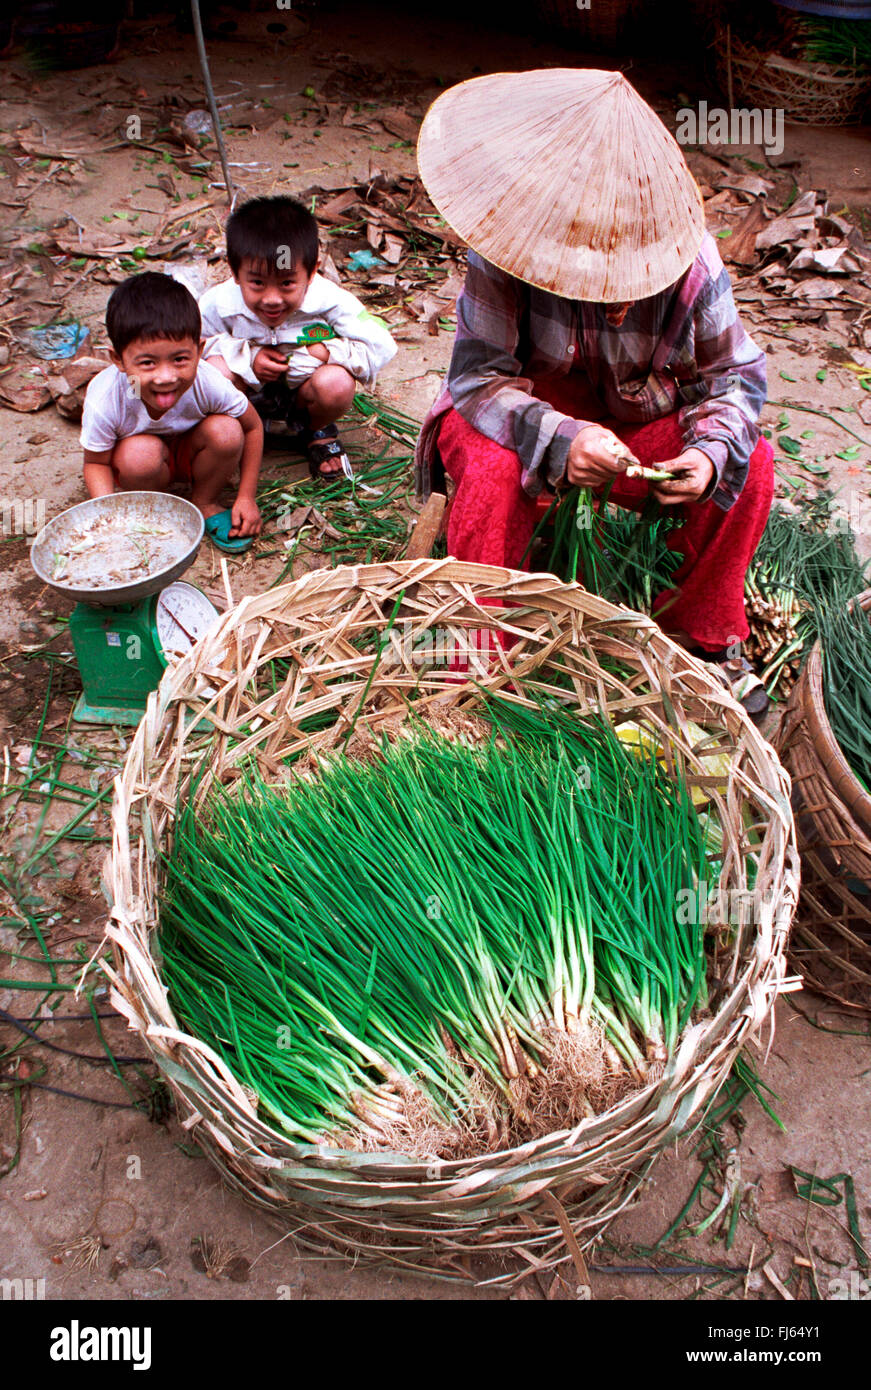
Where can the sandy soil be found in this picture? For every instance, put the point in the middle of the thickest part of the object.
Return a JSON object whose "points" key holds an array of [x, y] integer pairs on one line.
{"points": [[126, 1191]]}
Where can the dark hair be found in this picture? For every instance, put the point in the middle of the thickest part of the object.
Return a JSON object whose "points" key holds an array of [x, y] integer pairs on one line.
{"points": [[260, 230], [151, 306]]}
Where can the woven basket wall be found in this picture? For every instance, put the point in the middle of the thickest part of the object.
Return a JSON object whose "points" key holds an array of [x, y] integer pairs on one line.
{"points": [[808, 93], [554, 1194], [605, 26], [832, 939]]}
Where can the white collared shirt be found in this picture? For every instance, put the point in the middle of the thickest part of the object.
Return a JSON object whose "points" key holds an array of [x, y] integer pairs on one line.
{"points": [[363, 343]]}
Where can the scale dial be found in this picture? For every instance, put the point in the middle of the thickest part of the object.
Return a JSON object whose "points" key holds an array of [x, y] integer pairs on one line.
{"points": [[183, 616]]}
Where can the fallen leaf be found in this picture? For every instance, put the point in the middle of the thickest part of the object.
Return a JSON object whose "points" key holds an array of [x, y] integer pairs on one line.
{"points": [[333, 210], [745, 183], [741, 248], [23, 394], [330, 270], [783, 230], [398, 122], [833, 259], [393, 248], [293, 521], [817, 288]]}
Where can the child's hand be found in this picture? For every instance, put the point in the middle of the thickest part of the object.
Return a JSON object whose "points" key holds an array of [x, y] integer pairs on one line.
{"points": [[319, 351], [269, 364], [246, 517]]}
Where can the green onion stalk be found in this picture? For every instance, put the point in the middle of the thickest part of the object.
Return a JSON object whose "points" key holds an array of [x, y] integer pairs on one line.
{"points": [[845, 645], [425, 928], [612, 551], [805, 565]]}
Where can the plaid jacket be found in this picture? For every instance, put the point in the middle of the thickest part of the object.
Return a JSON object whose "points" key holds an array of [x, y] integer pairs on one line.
{"points": [[683, 349]]}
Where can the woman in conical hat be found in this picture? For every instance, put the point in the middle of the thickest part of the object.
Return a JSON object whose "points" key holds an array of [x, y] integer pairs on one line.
{"points": [[596, 310]]}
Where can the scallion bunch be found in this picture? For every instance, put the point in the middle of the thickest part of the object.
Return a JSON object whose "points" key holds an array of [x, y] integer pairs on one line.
{"points": [[845, 645], [446, 944], [614, 552]]}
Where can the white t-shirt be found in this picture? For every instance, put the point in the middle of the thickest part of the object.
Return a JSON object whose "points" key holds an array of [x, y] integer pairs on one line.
{"points": [[112, 411]]}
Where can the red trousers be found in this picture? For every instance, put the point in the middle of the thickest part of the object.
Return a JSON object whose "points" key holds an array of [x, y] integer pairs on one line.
{"points": [[491, 521]]}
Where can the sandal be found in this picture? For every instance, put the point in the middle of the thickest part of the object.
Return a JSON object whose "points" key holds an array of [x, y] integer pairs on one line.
{"points": [[321, 447], [218, 529]]}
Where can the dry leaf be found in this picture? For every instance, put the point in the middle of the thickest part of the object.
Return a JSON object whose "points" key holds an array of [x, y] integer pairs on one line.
{"points": [[817, 288], [740, 247], [329, 269], [745, 183], [399, 123], [23, 394], [784, 230], [332, 211]]}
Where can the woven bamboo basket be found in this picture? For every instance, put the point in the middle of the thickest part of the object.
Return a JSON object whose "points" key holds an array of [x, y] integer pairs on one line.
{"points": [[807, 93], [832, 940], [604, 26], [544, 1200]]}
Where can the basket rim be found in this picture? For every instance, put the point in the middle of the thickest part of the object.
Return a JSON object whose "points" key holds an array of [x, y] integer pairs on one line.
{"points": [[743, 1006], [746, 51]]}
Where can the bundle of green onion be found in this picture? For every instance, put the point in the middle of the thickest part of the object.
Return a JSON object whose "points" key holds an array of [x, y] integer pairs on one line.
{"points": [[845, 645], [611, 550], [841, 42], [448, 947], [805, 567]]}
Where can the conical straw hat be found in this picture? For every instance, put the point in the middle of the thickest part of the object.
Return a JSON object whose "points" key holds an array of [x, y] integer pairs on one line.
{"points": [[565, 178]]}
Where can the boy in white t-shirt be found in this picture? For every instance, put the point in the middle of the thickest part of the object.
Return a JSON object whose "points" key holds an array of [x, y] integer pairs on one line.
{"points": [[296, 343], [161, 418]]}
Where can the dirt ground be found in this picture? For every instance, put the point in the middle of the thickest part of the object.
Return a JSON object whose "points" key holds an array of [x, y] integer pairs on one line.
{"points": [[104, 1202]]}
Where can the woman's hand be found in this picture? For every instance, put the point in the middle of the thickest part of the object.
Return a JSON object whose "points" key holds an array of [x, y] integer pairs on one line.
{"points": [[595, 456], [695, 471]]}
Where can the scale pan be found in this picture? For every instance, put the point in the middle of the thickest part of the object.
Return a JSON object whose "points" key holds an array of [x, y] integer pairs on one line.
{"points": [[130, 509]]}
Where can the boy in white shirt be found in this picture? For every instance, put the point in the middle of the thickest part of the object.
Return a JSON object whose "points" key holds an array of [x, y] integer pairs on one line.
{"points": [[295, 342], [161, 418]]}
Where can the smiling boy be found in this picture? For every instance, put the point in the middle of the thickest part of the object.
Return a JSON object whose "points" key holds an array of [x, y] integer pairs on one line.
{"points": [[297, 343], [162, 419]]}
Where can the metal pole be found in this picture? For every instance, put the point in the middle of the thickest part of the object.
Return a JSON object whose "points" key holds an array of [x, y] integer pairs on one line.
{"points": [[210, 98]]}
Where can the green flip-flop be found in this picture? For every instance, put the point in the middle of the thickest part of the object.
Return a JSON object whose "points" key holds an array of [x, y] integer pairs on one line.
{"points": [[218, 531]]}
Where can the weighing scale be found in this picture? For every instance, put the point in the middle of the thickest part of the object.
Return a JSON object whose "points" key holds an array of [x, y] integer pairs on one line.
{"points": [[125, 635]]}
